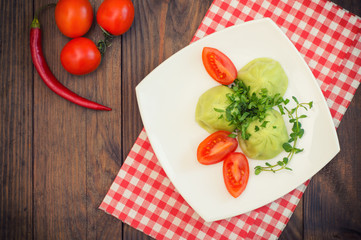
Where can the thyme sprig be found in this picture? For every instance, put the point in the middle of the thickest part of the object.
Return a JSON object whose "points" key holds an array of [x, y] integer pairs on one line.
{"points": [[295, 135]]}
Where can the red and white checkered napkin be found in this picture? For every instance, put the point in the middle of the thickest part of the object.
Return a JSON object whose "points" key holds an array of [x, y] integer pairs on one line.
{"points": [[329, 38]]}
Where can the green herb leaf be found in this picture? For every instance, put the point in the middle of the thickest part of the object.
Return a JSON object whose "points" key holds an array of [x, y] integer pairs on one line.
{"points": [[218, 110], [287, 147], [295, 99], [296, 126], [301, 132], [246, 107], [298, 150], [310, 104], [264, 124]]}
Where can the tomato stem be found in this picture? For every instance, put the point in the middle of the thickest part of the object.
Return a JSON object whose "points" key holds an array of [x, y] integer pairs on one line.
{"points": [[107, 42]]}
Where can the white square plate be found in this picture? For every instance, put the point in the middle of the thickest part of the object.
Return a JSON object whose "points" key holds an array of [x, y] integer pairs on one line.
{"points": [[167, 99]]}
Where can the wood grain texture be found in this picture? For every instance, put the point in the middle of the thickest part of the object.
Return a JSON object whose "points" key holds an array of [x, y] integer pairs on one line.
{"points": [[59, 147], [16, 124], [58, 160]]}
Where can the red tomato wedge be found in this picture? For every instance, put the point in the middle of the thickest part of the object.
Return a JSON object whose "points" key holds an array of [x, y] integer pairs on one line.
{"points": [[235, 173], [215, 147], [219, 66]]}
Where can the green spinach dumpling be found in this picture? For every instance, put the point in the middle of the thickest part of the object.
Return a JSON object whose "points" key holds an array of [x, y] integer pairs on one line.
{"points": [[264, 73], [265, 142], [206, 116]]}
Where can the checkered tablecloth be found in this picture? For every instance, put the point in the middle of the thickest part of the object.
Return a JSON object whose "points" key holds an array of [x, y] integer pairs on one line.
{"points": [[329, 39]]}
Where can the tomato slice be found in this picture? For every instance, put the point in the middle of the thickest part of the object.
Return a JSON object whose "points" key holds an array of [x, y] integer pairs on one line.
{"points": [[219, 66], [215, 147], [235, 173]]}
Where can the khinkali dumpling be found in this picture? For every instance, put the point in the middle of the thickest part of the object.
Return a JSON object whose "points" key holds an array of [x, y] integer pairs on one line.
{"points": [[265, 142], [264, 73], [209, 109]]}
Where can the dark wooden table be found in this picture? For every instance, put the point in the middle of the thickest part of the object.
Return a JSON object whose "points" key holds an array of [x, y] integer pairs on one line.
{"points": [[57, 160]]}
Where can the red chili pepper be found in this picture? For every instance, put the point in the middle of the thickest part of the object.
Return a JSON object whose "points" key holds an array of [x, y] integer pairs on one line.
{"points": [[49, 79]]}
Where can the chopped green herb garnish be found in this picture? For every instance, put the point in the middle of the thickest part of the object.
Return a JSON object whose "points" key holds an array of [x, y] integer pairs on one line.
{"points": [[264, 124], [246, 107], [218, 110], [232, 135]]}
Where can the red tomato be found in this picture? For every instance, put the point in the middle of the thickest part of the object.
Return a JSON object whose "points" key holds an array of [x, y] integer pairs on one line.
{"points": [[215, 147], [235, 173], [219, 66], [73, 17], [80, 56], [115, 16]]}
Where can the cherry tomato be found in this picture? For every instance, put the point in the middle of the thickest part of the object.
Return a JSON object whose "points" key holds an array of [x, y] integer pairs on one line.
{"points": [[115, 16], [235, 173], [219, 66], [215, 147], [80, 56], [74, 17]]}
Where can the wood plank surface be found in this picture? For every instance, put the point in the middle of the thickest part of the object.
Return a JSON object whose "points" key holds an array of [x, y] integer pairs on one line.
{"points": [[59, 146], [58, 160], [16, 121]]}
